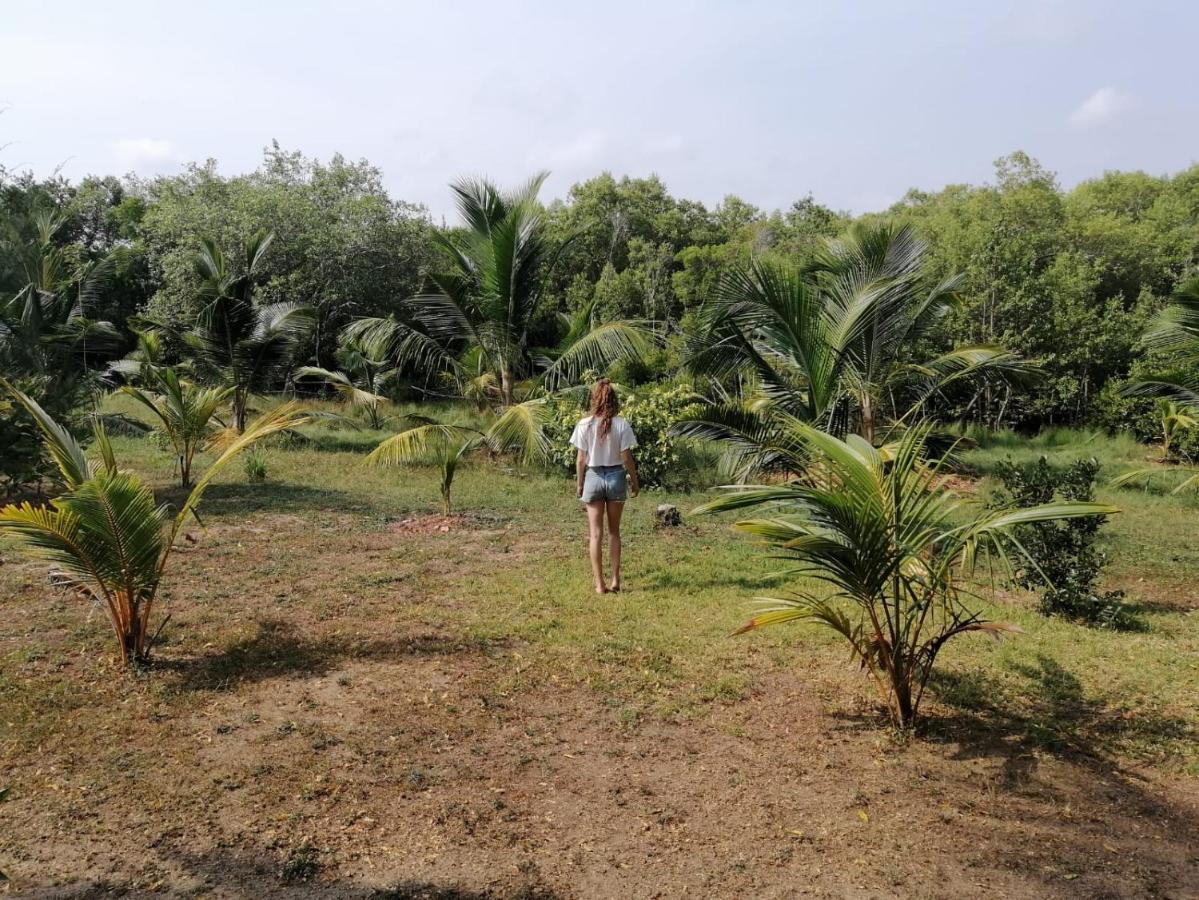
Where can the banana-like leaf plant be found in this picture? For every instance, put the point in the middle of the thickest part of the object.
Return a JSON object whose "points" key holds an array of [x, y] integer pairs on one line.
{"points": [[1173, 418], [185, 414], [887, 551], [106, 535]]}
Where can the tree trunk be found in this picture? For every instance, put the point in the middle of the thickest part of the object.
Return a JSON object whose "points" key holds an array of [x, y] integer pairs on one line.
{"points": [[868, 419], [905, 711], [506, 385], [239, 411]]}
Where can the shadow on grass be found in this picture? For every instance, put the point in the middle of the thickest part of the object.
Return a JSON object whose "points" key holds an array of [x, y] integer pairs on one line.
{"points": [[1055, 717], [241, 498], [667, 579], [279, 649]]}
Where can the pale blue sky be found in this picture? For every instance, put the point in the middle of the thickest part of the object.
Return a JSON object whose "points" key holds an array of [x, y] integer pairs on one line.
{"points": [[852, 101]]}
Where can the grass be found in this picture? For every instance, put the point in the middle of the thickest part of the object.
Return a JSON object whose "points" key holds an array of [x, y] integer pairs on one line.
{"points": [[309, 579]]}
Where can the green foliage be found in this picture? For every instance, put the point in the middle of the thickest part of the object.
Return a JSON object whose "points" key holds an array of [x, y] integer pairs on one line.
{"points": [[238, 342], [1067, 279], [106, 536], [255, 465], [346, 249], [833, 345], [653, 411], [430, 444], [1064, 561], [185, 414], [479, 320], [892, 544]]}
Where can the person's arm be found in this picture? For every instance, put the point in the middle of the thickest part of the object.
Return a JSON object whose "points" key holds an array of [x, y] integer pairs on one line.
{"points": [[580, 472], [630, 466]]}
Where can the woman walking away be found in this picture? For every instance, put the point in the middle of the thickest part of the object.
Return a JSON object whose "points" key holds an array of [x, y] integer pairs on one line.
{"points": [[604, 441]]}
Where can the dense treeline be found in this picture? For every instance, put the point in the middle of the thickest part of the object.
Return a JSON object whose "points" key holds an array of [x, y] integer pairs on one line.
{"points": [[1067, 279]]}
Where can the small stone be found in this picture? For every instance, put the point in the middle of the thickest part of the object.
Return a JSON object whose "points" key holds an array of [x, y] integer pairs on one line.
{"points": [[668, 515]]}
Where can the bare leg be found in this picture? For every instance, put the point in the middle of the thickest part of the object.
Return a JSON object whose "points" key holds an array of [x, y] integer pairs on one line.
{"points": [[595, 526], [615, 511]]}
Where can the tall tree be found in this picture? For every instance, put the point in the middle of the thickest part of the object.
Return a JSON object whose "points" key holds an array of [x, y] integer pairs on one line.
{"points": [[237, 341], [832, 343], [480, 315]]}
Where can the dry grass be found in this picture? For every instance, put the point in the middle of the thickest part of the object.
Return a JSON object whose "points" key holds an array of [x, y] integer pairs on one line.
{"points": [[350, 704]]}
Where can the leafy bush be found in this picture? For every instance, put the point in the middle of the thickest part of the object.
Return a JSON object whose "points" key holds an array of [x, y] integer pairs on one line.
{"points": [[255, 465], [663, 459], [1064, 552], [1115, 411]]}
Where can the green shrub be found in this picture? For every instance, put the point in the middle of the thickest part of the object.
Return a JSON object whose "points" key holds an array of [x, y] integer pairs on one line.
{"points": [[1115, 412], [663, 460], [255, 463], [1064, 552]]}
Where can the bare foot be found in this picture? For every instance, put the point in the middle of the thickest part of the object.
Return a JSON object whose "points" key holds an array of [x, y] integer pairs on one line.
{"points": [[600, 589], [615, 587]]}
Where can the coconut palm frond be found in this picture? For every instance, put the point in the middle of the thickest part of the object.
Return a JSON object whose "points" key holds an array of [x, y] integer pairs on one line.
{"points": [[520, 430]]}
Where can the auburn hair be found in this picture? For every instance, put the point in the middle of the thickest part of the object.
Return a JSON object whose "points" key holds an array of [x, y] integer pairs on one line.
{"points": [[604, 405]]}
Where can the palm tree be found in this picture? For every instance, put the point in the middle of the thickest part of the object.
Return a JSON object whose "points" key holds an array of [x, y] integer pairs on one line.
{"points": [[359, 380], [484, 302], [107, 536], [1176, 332], [430, 444], [827, 343], [185, 412], [142, 364], [237, 342], [878, 529], [45, 329]]}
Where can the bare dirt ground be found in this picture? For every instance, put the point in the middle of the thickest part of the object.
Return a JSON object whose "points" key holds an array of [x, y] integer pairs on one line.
{"points": [[334, 737]]}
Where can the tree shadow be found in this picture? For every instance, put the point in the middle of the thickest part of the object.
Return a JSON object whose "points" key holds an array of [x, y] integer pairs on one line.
{"points": [[240, 498], [1083, 736], [279, 649], [1056, 717]]}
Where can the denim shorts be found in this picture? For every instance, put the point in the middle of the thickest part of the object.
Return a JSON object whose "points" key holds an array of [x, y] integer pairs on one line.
{"points": [[605, 483]]}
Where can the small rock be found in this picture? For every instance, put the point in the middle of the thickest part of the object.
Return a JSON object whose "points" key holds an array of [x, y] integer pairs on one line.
{"points": [[668, 515]]}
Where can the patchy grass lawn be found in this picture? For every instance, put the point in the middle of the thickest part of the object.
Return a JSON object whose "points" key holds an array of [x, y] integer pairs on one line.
{"points": [[357, 698]]}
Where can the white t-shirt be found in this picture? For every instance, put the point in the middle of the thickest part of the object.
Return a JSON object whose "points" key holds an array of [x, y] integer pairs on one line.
{"points": [[606, 450]]}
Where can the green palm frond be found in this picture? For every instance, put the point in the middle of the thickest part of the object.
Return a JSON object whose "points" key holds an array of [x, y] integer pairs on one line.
{"points": [[599, 347], [520, 430], [875, 527], [67, 453]]}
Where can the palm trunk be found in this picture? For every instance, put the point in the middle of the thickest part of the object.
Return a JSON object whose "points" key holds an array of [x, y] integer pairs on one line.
{"points": [[868, 418], [240, 400], [445, 501], [506, 391], [904, 708]]}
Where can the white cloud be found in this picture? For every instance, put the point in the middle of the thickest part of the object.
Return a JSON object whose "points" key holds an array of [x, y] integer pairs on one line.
{"points": [[1102, 107], [146, 153]]}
